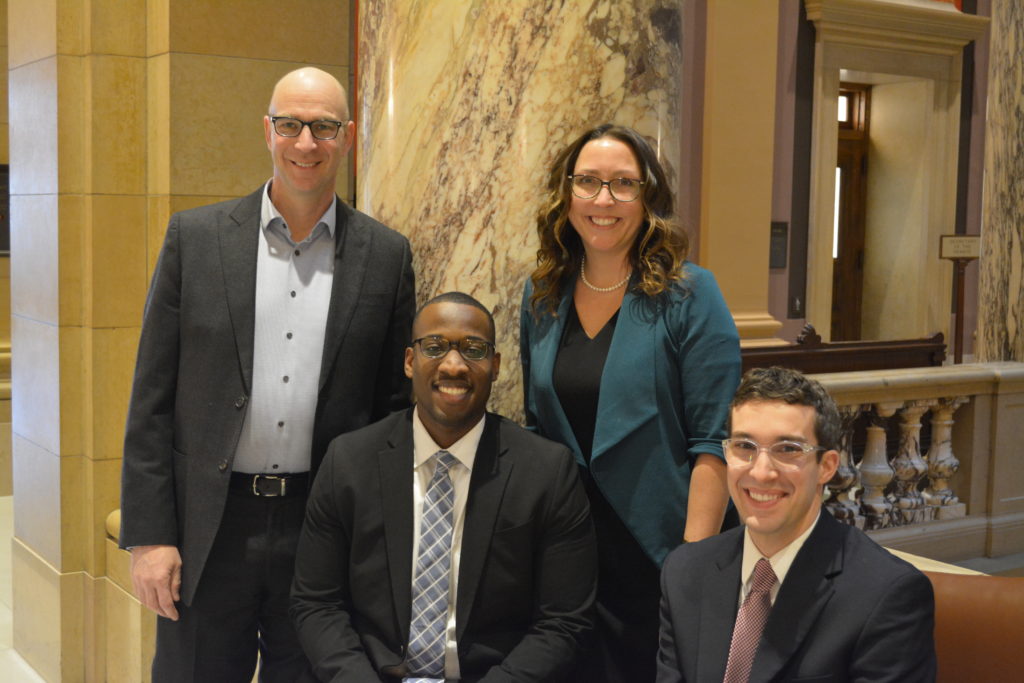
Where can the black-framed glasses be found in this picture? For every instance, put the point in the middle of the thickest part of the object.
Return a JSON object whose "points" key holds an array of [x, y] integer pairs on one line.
{"points": [[290, 127], [622, 189], [470, 348], [786, 455]]}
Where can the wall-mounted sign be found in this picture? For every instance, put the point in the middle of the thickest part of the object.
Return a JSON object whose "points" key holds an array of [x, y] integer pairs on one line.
{"points": [[960, 246], [778, 245]]}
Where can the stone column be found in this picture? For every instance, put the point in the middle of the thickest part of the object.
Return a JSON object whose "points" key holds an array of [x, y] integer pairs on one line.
{"points": [[909, 466], [738, 160], [942, 462], [6, 485], [875, 471], [464, 105], [1001, 287], [840, 503], [77, 84]]}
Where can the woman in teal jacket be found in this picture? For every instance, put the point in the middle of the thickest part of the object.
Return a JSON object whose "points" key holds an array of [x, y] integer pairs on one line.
{"points": [[630, 357]]}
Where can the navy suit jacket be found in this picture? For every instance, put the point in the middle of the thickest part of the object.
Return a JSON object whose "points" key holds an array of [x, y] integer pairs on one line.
{"points": [[193, 374], [848, 610], [527, 573]]}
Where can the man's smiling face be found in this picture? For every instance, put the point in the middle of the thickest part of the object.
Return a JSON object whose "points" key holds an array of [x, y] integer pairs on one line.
{"points": [[777, 505], [451, 392], [305, 167]]}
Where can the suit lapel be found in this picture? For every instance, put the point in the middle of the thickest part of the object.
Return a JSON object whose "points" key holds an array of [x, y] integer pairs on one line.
{"points": [[239, 240], [543, 359], [352, 248], [396, 481], [629, 373], [718, 605], [486, 488], [804, 593]]}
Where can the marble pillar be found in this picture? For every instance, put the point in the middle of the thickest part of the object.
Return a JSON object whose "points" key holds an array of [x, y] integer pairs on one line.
{"points": [[462, 107], [1001, 286]]}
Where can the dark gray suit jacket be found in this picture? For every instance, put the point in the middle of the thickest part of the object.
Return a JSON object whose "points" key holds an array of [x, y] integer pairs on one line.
{"points": [[195, 360], [527, 573], [848, 610]]}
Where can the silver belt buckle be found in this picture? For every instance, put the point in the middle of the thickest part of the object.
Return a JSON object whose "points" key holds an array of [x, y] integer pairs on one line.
{"points": [[283, 485]]}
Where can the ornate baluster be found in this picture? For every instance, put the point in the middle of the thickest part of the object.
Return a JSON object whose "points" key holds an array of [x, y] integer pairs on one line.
{"points": [[942, 464], [846, 477], [875, 472], [909, 466]]}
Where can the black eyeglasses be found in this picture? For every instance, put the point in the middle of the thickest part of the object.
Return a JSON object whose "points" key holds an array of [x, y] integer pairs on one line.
{"points": [[622, 189], [322, 129], [438, 347]]}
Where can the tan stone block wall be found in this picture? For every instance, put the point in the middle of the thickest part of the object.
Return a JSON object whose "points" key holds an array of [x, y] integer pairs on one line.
{"points": [[49, 615], [6, 482], [131, 636], [127, 110]]}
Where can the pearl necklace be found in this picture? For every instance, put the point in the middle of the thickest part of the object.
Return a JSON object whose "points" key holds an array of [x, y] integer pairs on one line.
{"points": [[583, 276]]}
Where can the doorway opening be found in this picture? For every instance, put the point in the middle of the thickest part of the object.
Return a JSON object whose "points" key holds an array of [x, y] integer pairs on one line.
{"points": [[848, 234]]}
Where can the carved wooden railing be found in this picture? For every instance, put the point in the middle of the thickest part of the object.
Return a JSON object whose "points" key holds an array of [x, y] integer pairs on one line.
{"points": [[810, 354]]}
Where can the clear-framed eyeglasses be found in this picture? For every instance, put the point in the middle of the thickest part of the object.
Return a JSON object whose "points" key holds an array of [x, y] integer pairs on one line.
{"points": [[322, 129], [622, 189], [470, 348], [785, 455]]}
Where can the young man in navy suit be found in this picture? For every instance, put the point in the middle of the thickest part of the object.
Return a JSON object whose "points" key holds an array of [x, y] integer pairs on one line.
{"points": [[518, 563], [835, 606]]}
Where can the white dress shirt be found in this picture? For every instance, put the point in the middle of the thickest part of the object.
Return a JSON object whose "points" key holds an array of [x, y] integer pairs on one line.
{"points": [[293, 295], [464, 450], [780, 561]]}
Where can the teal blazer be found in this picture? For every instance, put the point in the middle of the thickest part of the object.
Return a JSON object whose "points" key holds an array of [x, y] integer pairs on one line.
{"points": [[670, 374]]}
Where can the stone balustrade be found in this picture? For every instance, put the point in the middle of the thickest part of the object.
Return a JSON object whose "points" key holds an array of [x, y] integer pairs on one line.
{"points": [[959, 496], [902, 487], [953, 488]]}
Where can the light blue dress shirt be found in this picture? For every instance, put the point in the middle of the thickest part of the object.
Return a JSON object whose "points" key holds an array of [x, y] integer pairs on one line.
{"points": [[293, 294]]}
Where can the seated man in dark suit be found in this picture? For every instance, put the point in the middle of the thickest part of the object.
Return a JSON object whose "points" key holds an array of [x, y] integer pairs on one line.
{"points": [[792, 594], [445, 542]]}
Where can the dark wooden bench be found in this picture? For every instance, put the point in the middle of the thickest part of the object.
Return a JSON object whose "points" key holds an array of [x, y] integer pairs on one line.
{"points": [[810, 355]]}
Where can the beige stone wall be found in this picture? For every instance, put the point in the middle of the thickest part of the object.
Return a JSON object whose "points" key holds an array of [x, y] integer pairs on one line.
{"points": [[122, 112], [6, 486], [738, 149]]}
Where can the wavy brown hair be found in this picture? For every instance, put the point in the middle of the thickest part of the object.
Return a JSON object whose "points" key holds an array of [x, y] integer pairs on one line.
{"points": [[660, 246]]}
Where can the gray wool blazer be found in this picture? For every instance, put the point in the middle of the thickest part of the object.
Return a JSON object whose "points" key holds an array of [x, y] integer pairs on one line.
{"points": [[194, 369]]}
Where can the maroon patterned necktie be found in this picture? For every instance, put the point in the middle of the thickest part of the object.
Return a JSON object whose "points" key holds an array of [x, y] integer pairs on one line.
{"points": [[750, 621]]}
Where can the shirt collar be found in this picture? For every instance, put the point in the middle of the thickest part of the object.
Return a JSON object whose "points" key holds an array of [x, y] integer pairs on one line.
{"points": [[424, 445], [780, 561], [271, 218]]}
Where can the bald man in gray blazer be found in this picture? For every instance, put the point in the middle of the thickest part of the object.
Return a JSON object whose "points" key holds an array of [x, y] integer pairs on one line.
{"points": [[274, 323]]}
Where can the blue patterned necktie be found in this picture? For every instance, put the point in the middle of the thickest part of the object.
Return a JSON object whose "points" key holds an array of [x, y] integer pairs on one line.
{"points": [[430, 586]]}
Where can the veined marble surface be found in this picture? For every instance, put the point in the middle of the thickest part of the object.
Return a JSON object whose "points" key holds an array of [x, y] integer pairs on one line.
{"points": [[463, 105], [1001, 286]]}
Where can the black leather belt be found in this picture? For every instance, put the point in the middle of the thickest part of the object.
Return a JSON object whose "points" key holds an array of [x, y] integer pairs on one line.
{"points": [[270, 485]]}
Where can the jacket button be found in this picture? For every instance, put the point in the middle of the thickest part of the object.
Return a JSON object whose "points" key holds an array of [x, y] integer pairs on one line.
{"points": [[223, 466], [240, 402]]}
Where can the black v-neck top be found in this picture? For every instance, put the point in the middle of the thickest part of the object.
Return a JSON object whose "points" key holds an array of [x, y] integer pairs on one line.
{"points": [[577, 376]]}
